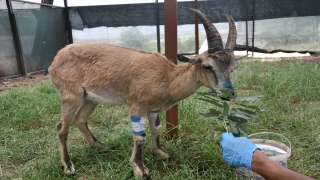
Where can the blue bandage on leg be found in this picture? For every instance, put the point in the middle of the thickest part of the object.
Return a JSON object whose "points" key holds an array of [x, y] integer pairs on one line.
{"points": [[137, 124]]}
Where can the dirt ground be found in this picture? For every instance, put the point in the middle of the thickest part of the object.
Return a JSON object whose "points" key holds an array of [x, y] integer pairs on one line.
{"points": [[32, 79]]}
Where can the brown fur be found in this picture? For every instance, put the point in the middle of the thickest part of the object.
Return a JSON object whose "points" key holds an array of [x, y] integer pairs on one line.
{"points": [[88, 74], [145, 81]]}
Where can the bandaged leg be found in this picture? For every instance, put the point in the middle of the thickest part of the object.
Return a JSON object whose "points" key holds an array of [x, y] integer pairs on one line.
{"points": [[137, 124], [139, 138]]}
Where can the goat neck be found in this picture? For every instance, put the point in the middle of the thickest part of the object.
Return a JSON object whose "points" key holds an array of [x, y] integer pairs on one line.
{"points": [[184, 81]]}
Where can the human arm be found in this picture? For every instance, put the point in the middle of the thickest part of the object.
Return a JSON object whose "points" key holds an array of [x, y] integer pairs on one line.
{"points": [[269, 169], [242, 152]]}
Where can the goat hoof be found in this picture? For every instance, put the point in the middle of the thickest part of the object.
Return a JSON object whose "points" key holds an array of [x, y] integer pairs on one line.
{"points": [[101, 147], [142, 173], [161, 154], [147, 178], [69, 170]]}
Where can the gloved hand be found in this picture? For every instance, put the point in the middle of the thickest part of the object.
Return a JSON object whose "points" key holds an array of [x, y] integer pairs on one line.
{"points": [[237, 151]]}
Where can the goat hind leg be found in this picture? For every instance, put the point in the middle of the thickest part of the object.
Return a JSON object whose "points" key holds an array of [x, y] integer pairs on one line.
{"points": [[67, 114], [154, 122], [81, 119]]}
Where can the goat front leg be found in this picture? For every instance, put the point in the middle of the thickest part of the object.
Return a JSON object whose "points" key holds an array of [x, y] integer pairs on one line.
{"points": [[154, 122], [139, 138]]}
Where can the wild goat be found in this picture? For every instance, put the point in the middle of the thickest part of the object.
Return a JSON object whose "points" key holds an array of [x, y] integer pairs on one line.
{"points": [[88, 74]]}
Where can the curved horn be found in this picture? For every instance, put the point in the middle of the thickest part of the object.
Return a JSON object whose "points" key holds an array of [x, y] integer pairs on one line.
{"points": [[213, 36], [232, 37]]}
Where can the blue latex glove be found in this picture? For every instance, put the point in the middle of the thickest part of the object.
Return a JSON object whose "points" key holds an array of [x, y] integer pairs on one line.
{"points": [[237, 151]]}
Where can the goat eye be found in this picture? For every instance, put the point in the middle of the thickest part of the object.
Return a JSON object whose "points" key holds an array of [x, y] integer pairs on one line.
{"points": [[206, 67]]}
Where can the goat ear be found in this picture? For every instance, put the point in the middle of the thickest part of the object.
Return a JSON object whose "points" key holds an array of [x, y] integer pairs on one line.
{"points": [[188, 58], [237, 58]]}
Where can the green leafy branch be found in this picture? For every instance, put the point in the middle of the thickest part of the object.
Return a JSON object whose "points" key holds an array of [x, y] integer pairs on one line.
{"points": [[233, 112]]}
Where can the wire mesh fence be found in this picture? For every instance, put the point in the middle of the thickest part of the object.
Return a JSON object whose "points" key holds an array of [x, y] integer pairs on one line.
{"points": [[8, 60], [287, 34], [135, 37], [262, 25], [42, 33]]}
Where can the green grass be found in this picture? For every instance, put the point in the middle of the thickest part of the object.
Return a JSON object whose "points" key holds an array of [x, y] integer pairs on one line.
{"points": [[29, 148]]}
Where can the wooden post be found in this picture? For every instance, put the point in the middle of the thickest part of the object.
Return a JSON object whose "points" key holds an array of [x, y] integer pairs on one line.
{"points": [[171, 50]]}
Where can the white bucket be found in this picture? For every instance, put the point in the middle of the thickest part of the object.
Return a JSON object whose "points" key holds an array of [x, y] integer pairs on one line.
{"points": [[276, 151]]}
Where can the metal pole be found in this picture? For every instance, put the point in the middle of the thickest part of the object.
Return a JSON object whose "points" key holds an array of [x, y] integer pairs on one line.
{"points": [[247, 38], [69, 28], [253, 17], [196, 26], [170, 28], [158, 27], [16, 39]]}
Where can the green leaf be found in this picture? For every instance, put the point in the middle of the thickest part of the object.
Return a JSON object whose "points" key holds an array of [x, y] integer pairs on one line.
{"points": [[205, 94], [234, 130], [202, 93], [213, 111], [236, 119], [221, 129], [244, 113], [217, 98], [240, 116], [249, 113], [242, 128], [226, 93], [250, 98], [211, 102], [210, 95], [250, 107], [225, 108], [208, 115]]}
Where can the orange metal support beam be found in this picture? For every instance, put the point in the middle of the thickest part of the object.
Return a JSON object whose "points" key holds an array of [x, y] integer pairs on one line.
{"points": [[171, 50], [47, 2]]}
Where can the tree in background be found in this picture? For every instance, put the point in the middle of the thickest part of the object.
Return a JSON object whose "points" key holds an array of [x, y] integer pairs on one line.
{"points": [[134, 38], [186, 45]]}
